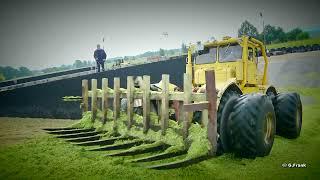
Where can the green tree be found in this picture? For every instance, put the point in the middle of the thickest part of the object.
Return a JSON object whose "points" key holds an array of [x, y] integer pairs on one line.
{"points": [[273, 34], [11, 73], [292, 35], [161, 52], [248, 29], [77, 64], [2, 78], [23, 71], [302, 36], [50, 70], [280, 35], [184, 48], [64, 67], [270, 33]]}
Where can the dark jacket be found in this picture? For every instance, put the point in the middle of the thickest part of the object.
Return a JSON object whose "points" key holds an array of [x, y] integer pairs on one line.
{"points": [[99, 54]]}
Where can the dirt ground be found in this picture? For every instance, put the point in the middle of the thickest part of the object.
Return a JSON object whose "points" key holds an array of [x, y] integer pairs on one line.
{"points": [[16, 130], [294, 70]]}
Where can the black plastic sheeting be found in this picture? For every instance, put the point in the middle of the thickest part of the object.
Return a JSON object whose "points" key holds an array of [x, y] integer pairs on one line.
{"points": [[44, 76], [45, 100]]}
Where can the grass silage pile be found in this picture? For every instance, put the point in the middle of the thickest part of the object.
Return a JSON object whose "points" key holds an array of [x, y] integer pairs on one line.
{"points": [[197, 143]]}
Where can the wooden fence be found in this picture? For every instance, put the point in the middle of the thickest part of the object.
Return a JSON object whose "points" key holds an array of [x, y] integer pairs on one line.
{"points": [[188, 102]]}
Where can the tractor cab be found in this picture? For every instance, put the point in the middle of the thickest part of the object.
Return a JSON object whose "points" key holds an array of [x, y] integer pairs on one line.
{"points": [[233, 59]]}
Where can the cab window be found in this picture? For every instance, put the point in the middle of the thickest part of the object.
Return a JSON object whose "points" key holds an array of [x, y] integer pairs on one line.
{"points": [[230, 52], [252, 54], [208, 55]]}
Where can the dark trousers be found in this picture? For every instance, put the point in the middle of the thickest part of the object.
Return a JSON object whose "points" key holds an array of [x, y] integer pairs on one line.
{"points": [[100, 63]]}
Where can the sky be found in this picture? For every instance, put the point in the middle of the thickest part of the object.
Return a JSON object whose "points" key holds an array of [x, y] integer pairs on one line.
{"points": [[46, 33]]}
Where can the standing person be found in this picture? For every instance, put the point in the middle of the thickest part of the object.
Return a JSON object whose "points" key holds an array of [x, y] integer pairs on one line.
{"points": [[100, 56]]}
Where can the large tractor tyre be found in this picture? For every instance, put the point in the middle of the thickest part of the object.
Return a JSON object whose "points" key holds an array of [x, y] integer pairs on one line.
{"points": [[252, 126], [288, 109], [224, 108], [224, 140]]}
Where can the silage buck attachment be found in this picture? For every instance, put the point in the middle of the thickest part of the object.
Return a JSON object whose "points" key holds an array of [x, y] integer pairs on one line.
{"points": [[154, 140]]}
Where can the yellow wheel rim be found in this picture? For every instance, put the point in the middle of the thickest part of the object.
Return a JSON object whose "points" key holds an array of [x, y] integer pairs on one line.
{"points": [[268, 128]]}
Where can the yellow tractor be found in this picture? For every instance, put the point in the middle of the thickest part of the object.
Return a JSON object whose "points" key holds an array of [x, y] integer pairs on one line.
{"points": [[249, 110]]}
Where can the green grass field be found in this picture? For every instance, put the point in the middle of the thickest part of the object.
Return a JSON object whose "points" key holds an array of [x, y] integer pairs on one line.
{"points": [[295, 43], [45, 157]]}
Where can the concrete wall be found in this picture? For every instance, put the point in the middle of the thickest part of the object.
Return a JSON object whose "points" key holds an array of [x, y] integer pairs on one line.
{"points": [[45, 100]]}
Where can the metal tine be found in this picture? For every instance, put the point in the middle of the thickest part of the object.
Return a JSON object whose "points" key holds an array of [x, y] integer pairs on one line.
{"points": [[77, 135], [124, 145], [84, 139], [104, 141], [71, 131], [141, 150], [179, 163], [164, 155], [57, 129]]}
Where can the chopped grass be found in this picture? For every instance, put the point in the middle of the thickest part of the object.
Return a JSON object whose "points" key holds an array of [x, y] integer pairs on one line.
{"points": [[71, 98], [199, 142], [172, 136]]}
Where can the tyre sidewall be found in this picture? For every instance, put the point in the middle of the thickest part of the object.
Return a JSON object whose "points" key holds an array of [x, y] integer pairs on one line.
{"points": [[224, 124], [286, 113], [264, 148]]}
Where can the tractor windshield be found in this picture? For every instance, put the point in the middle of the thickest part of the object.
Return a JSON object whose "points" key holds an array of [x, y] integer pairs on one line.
{"points": [[230, 52], [207, 56]]}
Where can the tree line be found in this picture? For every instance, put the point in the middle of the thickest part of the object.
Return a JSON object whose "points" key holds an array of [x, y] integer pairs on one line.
{"points": [[272, 34], [269, 35], [11, 73], [8, 72], [161, 52]]}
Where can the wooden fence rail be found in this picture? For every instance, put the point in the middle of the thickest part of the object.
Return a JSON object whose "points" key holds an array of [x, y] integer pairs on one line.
{"points": [[188, 102]]}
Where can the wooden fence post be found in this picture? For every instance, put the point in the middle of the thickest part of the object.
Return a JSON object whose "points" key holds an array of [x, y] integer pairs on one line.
{"points": [[159, 107], [84, 95], [116, 101], [204, 118], [94, 98], [180, 113], [187, 89], [146, 103], [130, 89], [165, 103], [104, 99], [212, 121]]}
